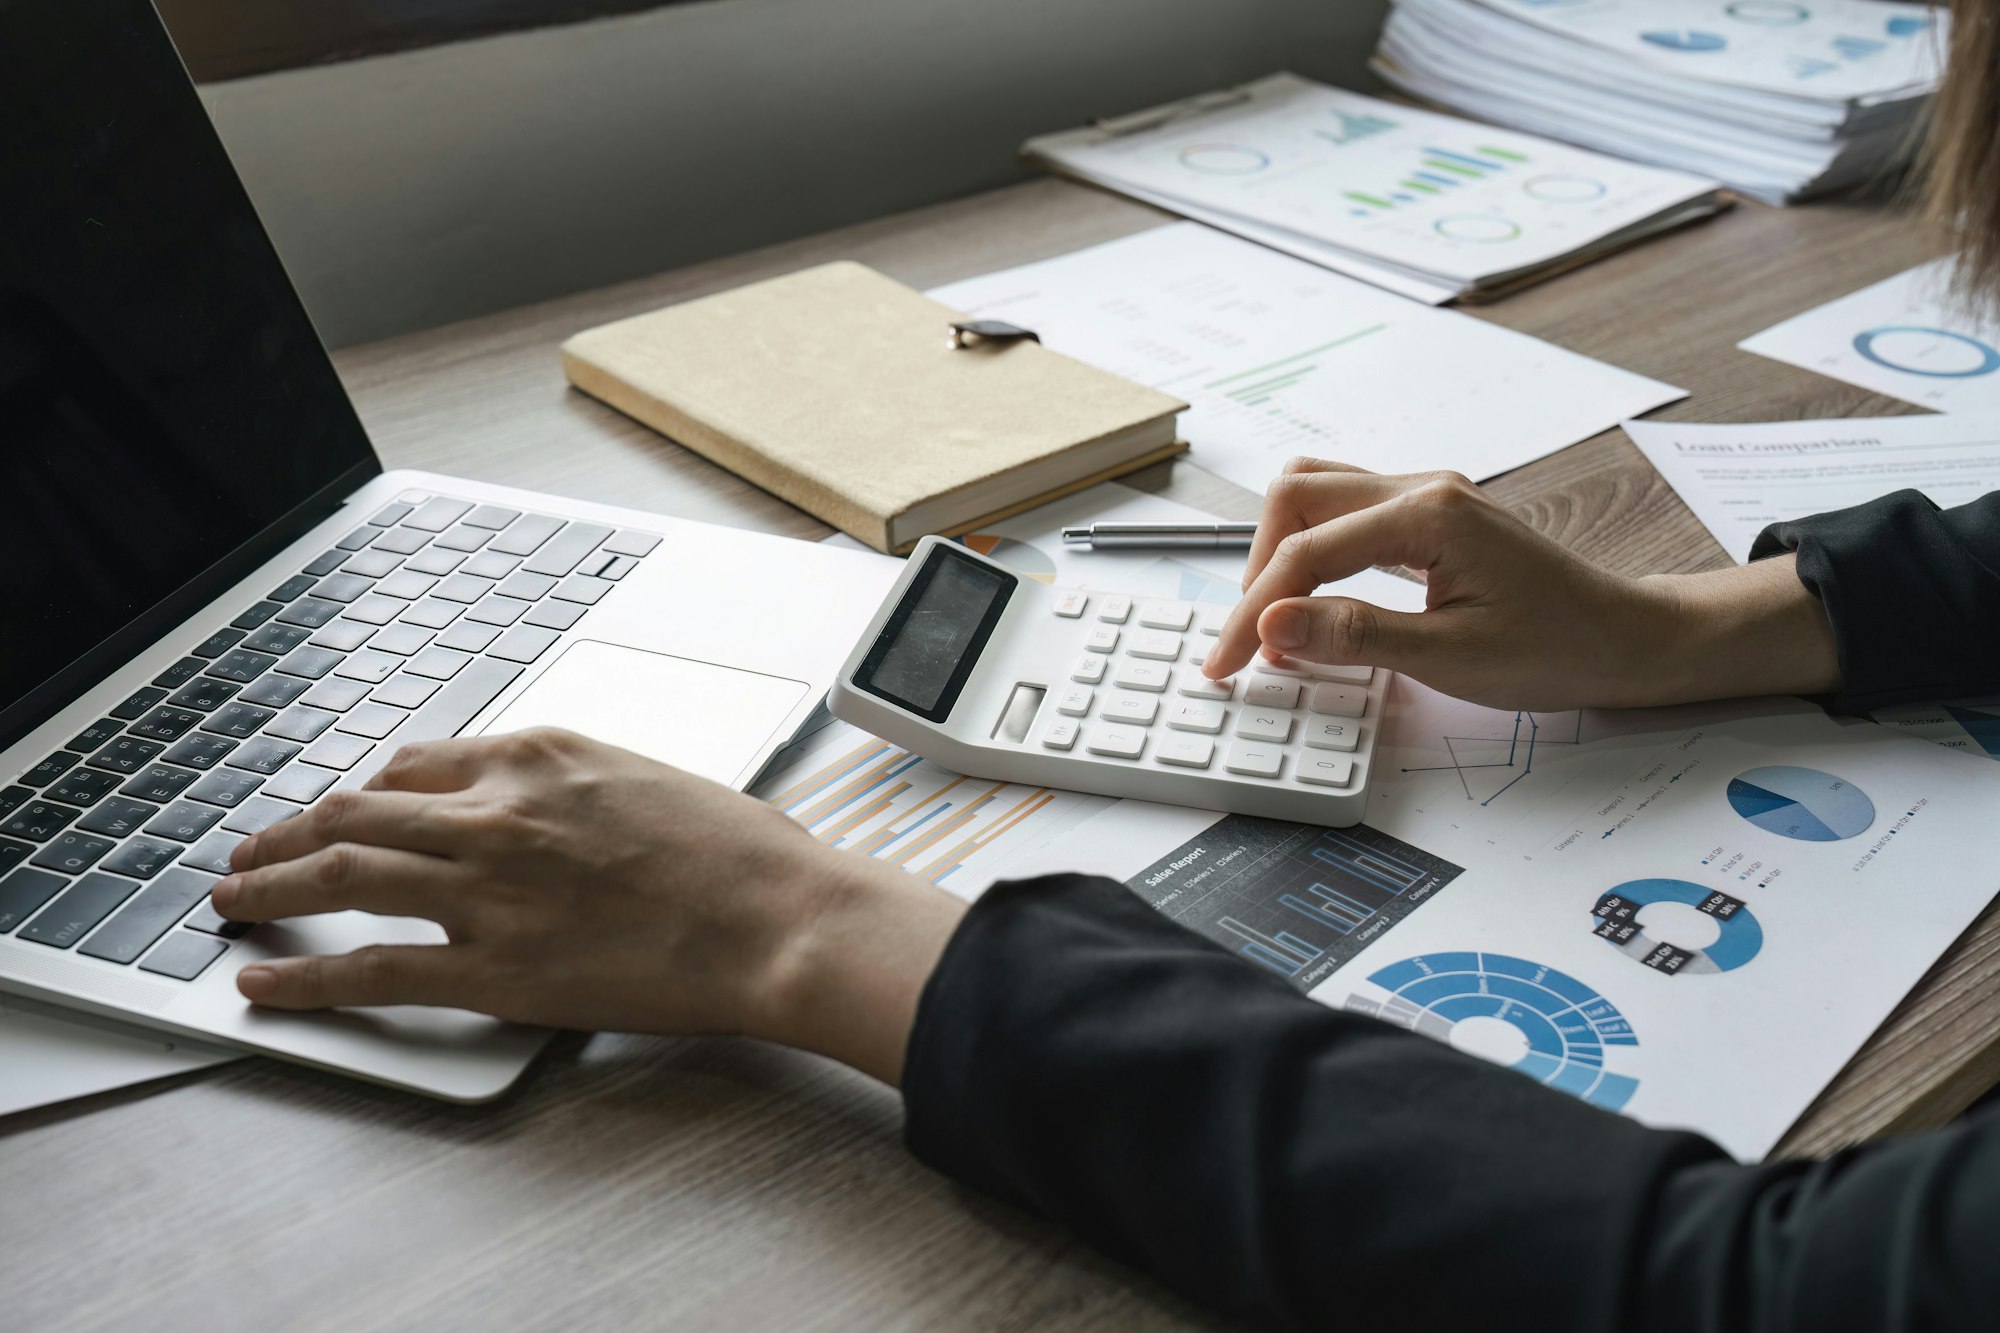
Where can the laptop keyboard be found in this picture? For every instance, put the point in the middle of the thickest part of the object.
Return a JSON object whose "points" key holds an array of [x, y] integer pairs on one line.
{"points": [[410, 626]]}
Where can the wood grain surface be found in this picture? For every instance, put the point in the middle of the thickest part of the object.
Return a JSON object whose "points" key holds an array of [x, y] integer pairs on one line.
{"points": [[644, 1183]]}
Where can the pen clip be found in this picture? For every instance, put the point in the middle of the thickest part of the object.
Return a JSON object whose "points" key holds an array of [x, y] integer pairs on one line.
{"points": [[1154, 117]]}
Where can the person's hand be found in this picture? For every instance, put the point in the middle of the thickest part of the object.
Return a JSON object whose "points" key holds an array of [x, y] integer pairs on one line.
{"points": [[583, 886], [1512, 619]]}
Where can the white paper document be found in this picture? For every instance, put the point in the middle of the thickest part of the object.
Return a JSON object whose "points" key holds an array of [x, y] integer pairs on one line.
{"points": [[48, 1056], [1739, 478], [1278, 357], [1906, 337]]}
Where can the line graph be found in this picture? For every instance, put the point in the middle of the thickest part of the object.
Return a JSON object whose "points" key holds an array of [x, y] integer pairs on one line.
{"points": [[1483, 761]]}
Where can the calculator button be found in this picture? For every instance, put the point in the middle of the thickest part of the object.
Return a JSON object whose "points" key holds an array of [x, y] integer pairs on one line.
{"points": [[1061, 734], [1070, 604], [1165, 615], [1340, 675], [1156, 645], [1195, 715], [1271, 691], [1089, 668], [1139, 708], [1324, 770], [1185, 751], [1115, 610], [1075, 700], [1284, 666], [1264, 724], [1325, 734], [1148, 676], [1117, 742], [1338, 700], [1254, 760], [1103, 639], [1210, 619], [1197, 686]]}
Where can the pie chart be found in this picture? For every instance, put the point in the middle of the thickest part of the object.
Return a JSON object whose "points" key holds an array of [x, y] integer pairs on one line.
{"points": [[1801, 803], [1685, 39]]}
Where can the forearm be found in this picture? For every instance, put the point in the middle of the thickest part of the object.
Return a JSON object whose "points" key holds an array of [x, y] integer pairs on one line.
{"points": [[1737, 632]]}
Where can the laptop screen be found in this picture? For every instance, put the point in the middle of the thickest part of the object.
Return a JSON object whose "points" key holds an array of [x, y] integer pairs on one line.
{"points": [[168, 417]]}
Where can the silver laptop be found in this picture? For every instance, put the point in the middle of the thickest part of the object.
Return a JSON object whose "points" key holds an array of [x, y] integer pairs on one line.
{"points": [[217, 607]]}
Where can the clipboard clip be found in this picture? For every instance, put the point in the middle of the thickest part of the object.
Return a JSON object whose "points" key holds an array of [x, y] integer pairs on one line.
{"points": [[973, 332], [1154, 117]]}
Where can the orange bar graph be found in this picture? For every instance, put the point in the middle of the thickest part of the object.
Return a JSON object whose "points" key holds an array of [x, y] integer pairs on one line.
{"points": [[852, 788], [819, 779], [864, 814]]}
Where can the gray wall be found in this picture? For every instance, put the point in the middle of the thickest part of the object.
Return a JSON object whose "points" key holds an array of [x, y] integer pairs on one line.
{"points": [[415, 189]]}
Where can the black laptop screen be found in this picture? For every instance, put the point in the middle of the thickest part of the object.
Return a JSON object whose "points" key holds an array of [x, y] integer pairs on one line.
{"points": [[167, 414]]}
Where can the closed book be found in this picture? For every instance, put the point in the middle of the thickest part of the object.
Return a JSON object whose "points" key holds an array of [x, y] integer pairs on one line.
{"points": [[836, 388]]}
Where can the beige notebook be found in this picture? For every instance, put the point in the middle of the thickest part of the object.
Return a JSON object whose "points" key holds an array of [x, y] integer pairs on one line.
{"points": [[835, 388]]}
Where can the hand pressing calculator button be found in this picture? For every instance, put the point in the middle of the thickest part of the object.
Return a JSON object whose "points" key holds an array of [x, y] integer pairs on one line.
{"points": [[1001, 677]]}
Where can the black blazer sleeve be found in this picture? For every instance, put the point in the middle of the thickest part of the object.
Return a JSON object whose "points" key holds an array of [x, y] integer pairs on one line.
{"points": [[1913, 592], [1306, 1168]]}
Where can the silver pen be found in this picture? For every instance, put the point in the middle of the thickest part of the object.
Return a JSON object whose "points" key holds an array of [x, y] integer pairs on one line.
{"points": [[1121, 536]]}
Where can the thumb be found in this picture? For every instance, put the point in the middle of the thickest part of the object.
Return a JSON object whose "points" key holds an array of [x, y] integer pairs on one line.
{"points": [[1346, 632]]}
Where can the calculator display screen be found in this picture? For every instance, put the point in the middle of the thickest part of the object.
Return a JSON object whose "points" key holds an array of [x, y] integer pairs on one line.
{"points": [[933, 637]]}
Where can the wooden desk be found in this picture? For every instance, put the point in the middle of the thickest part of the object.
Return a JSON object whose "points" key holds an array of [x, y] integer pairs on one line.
{"points": [[705, 1183]]}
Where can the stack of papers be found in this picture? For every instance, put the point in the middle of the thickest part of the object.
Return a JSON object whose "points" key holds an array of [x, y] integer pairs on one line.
{"points": [[1424, 205], [1777, 98]]}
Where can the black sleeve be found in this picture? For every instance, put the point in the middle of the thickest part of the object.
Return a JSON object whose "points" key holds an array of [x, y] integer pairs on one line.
{"points": [[1913, 592], [1307, 1168]]}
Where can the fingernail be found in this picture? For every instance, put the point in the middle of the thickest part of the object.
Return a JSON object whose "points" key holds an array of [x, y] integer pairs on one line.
{"points": [[223, 895], [1285, 627], [257, 983]]}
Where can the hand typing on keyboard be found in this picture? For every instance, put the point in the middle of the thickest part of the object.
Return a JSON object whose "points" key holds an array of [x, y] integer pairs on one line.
{"points": [[1514, 620]]}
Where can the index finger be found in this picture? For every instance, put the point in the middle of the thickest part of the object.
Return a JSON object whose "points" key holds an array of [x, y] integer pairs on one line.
{"points": [[1307, 493], [435, 974]]}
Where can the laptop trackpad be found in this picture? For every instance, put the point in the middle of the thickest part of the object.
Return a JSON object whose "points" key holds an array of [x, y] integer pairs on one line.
{"points": [[708, 719]]}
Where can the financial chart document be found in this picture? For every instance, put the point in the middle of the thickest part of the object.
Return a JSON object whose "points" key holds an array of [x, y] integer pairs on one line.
{"points": [[1278, 357]]}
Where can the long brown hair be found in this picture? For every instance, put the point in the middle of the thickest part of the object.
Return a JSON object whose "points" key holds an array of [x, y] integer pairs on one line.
{"points": [[1962, 151]]}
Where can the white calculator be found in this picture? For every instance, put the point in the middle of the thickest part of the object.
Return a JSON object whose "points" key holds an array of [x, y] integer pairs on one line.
{"points": [[998, 676]]}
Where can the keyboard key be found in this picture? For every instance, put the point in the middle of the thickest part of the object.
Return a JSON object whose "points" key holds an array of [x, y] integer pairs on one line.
{"points": [[408, 584], [166, 724], [95, 735], [311, 663], [301, 724], [238, 719], [403, 541], [1185, 751], [1203, 715], [390, 514], [200, 751], [617, 568], [338, 751], [291, 589], [218, 643], [11, 799], [184, 955], [406, 691], [1209, 618], [210, 922], [1176, 616], [525, 534], [437, 514], [118, 816], [401, 638], [374, 721], [1264, 724], [278, 639], [371, 563], [326, 562], [337, 694], [1194, 685], [441, 562], [492, 517], [1323, 770], [138, 702], [344, 635], [23, 893], [184, 821], [370, 666], [127, 754], [523, 643], [432, 613], [566, 550], [1154, 645], [465, 588], [38, 821], [1089, 668], [1117, 742], [1061, 734], [274, 691], [582, 588], [1115, 609], [1148, 676], [527, 586], [553, 615], [463, 538], [212, 852], [497, 610], [375, 609], [203, 693], [1284, 666], [262, 754], [1323, 733], [72, 916], [629, 542], [257, 615], [180, 673], [1340, 675], [83, 786], [310, 612], [147, 917], [1102, 639], [13, 854], [141, 858], [1075, 700], [225, 788], [1070, 603], [158, 782], [490, 565], [469, 636], [446, 714], [257, 814], [1254, 759], [72, 853], [242, 665], [301, 783], [1139, 709], [51, 768], [1331, 700], [355, 540], [438, 663], [1271, 691]]}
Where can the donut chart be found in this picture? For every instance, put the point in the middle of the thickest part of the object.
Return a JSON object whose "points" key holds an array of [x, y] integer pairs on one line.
{"points": [[1801, 803], [1916, 349], [1567, 1026], [1616, 920], [1685, 39]]}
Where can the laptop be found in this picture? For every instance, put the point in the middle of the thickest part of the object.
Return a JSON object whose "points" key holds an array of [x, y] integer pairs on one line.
{"points": [[218, 606]]}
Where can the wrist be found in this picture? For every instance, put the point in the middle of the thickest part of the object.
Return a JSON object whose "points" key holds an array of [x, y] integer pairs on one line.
{"points": [[1733, 633]]}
